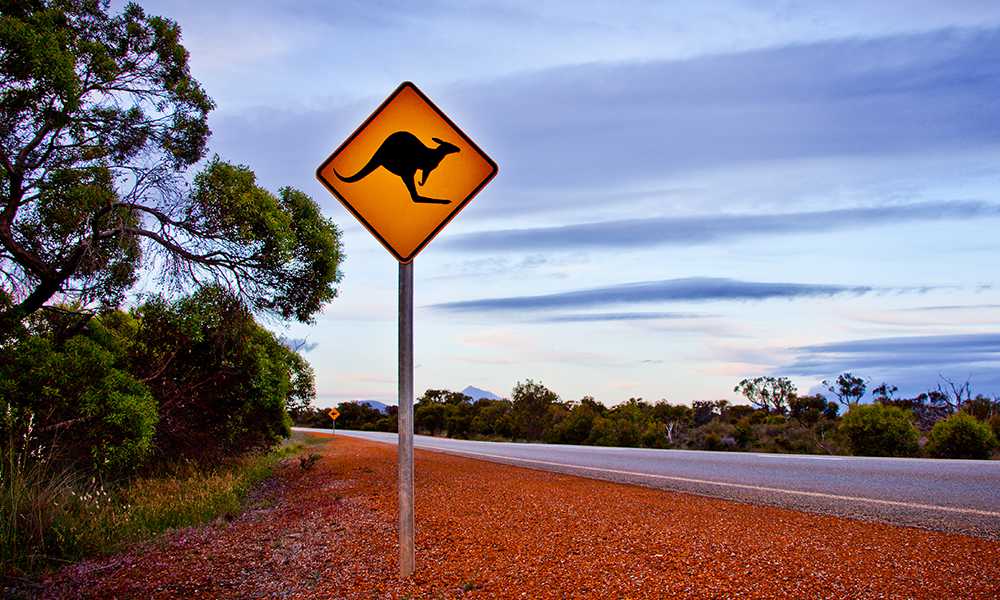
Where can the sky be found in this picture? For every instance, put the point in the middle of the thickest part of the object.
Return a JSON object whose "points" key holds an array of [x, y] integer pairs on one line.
{"points": [[689, 193]]}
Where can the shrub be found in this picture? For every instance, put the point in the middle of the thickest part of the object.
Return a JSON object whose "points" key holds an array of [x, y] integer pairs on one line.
{"points": [[222, 380], [717, 435], [712, 441], [961, 436], [83, 403], [879, 430], [789, 437], [744, 433]]}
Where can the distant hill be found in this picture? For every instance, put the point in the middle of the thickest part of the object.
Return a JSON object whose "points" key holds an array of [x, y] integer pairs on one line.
{"points": [[379, 406], [478, 394]]}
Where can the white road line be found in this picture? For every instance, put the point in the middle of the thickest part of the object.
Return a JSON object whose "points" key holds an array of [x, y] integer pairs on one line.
{"points": [[743, 486]]}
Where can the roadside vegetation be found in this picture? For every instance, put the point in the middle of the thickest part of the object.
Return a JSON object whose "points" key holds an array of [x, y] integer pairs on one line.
{"points": [[947, 422], [120, 425], [123, 415], [53, 515]]}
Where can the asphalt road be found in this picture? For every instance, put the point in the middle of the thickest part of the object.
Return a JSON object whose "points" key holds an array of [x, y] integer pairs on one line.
{"points": [[960, 496]]}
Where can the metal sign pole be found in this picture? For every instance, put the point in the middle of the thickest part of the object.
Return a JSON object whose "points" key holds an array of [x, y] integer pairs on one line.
{"points": [[405, 419]]}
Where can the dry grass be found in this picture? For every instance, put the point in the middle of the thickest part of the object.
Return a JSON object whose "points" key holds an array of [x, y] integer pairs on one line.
{"points": [[50, 515]]}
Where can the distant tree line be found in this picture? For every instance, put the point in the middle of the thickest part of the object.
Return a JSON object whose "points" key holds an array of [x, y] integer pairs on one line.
{"points": [[945, 422]]}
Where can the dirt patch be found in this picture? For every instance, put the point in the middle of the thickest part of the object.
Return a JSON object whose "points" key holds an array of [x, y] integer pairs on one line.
{"points": [[486, 530]]}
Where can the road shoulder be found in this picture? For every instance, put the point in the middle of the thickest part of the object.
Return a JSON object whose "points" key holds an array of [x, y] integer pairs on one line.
{"points": [[486, 530]]}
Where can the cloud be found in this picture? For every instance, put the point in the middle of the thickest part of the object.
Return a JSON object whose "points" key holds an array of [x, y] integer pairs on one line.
{"points": [[593, 124], [616, 316], [912, 363], [571, 135], [693, 289], [683, 231], [950, 307], [496, 265], [899, 351]]}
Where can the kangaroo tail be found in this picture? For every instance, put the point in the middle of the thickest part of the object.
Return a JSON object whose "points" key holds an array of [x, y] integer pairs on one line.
{"points": [[365, 170]]}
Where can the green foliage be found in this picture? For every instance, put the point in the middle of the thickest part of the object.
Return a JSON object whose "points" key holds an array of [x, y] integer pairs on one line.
{"points": [[493, 418], [849, 389], [810, 424], [429, 412], [577, 425], [767, 393], [704, 412], [879, 430], [530, 409], [222, 380], [982, 408], [289, 251], [808, 410], [194, 378], [99, 111], [101, 119], [452, 413], [301, 385], [353, 415], [961, 436], [743, 433], [84, 404]]}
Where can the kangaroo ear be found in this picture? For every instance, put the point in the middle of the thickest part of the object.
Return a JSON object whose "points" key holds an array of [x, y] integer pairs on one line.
{"points": [[439, 140]]}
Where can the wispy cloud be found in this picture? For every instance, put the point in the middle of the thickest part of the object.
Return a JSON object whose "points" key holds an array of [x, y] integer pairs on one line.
{"points": [[693, 289], [616, 316], [898, 351], [587, 124], [631, 124], [951, 307], [499, 265], [913, 363], [682, 231]]}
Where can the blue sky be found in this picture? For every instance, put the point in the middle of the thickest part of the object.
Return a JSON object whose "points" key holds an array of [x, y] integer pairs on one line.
{"points": [[688, 195]]}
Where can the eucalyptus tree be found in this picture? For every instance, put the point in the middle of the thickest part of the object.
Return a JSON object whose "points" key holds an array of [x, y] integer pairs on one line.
{"points": [[101, 122]]}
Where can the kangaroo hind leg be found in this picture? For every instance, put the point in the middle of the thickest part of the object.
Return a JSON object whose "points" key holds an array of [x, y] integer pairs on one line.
{"points": [[416, 197]]}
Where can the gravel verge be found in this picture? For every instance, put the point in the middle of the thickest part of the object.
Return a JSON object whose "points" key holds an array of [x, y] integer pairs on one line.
{"points": [[488, 530]]}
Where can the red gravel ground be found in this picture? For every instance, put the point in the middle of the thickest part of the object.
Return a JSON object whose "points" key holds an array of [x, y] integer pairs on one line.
{"points": [[493, 531]]}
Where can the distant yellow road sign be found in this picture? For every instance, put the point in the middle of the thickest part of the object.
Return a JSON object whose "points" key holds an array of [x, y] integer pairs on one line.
{"points": [[334, 413], [406, 172]]}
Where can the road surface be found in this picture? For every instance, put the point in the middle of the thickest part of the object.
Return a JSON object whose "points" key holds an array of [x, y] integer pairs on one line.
{"points": [[961, 496]]}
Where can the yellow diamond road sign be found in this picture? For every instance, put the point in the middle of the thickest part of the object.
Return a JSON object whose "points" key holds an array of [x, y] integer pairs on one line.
{"points": [[406, 172]]}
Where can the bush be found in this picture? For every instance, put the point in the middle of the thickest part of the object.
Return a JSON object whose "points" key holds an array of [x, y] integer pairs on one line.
{"points": [[717, 435], [222, 380], [879, 430], [85, 407], [790, 437], [961, 436]]}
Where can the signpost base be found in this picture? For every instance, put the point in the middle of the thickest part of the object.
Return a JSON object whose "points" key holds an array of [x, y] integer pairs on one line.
{"points": [[405, 420]]}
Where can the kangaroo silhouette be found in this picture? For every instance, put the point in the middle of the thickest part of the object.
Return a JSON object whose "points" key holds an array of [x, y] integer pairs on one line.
{"points": [[403, 154]]}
